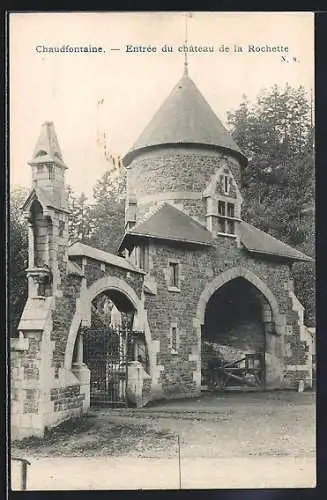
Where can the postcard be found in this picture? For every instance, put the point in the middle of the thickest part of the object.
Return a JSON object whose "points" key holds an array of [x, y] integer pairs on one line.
{"points": [[162, 289]]}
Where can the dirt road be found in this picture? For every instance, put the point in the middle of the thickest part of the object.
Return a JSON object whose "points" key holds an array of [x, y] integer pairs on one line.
{"points": [[255, 431]]}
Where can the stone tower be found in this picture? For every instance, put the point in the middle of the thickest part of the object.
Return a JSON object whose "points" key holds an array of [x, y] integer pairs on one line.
{"points": [[186, 157]]}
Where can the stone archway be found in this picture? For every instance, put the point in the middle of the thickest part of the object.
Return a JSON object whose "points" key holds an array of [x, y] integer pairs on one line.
{"points": [[117, 290], [83, 308], [240, 272], [270, 311]]}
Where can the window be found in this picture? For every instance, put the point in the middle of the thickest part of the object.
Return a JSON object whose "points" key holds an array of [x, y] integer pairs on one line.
{"points": [[221, 207], [50, 172], [226, 184], [144, 258], [173, 274], [226, 214], [230, 210], [174, 338]]}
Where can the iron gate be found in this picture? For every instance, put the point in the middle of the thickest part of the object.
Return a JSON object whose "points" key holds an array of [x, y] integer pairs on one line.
{"points": [[107, 353]]}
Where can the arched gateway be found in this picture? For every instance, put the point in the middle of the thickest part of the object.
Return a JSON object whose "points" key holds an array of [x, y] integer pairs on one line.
{"points": [[240, 325], [106, 335], [117, 289]]}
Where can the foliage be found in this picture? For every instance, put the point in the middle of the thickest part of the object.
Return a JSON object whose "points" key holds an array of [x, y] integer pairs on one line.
{"points": [[18, 258], [101, 223], [108, 211], [80, 222], [276, 135]]}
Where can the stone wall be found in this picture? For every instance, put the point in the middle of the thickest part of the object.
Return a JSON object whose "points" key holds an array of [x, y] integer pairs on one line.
{"points": [[95, 270], [25, 390], [66, 398], [297, 355], [62, 317], [179, 172]]}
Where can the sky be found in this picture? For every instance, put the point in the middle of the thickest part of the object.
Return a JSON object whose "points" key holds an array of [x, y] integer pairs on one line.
{"points": [[66, 88]]}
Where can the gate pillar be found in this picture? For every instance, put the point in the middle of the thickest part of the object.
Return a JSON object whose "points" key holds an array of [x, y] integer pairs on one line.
{"points": [[81, 371]]}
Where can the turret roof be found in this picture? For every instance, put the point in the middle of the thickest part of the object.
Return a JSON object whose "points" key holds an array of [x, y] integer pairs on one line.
{"points": [[185, 118], [47, 148]]}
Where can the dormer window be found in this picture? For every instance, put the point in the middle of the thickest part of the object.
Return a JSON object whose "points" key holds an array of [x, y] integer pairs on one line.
{"points": [[226, 215]]}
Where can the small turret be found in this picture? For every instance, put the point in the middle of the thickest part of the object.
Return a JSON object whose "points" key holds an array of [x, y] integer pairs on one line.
{"points": [[47, 216], [48, 168]]}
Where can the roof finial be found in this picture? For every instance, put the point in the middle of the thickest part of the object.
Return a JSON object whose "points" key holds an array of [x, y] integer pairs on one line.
{"points": [[186, 16]]}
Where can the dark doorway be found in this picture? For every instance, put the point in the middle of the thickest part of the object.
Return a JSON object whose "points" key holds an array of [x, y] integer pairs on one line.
{"points": [[233, 337]]}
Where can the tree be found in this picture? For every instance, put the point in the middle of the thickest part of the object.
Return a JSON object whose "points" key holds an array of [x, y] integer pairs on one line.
{"points": [[276, 135], [100, 224], [18, 258], [80, 221], [109, 210]]}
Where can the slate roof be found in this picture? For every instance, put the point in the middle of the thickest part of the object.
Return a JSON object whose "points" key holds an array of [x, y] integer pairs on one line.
{"points": [[185, 117], [46, 198], [258, 241], [82, 250], [47, 148], [169, 223]]}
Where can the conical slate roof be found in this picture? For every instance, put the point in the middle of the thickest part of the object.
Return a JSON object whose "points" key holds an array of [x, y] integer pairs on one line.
{"points": [[47, 148], [185, 117]]}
